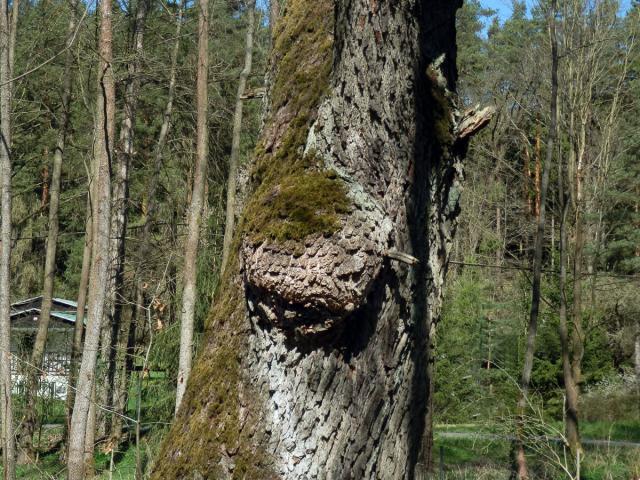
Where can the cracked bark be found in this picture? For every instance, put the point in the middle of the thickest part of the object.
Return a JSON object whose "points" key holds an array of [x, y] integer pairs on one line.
{"points": [[316, 361]]}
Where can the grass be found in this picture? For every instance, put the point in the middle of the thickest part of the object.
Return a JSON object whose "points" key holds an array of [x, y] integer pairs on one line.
{"points": [[481, 458]]}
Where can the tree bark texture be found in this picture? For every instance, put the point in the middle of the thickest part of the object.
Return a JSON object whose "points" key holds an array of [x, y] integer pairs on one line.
{"points": [[315, 364], [7, 42], [195, 208], [37, 355], [101, 224], [232, 185]]}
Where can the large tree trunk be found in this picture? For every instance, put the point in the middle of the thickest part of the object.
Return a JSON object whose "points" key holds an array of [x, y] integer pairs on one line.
{"points": [[37, 355], [315, 362], [230, 223], [7, 42], [101, 220], [525, 380]]}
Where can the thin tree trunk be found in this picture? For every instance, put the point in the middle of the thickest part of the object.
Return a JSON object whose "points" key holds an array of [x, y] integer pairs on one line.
{"points": [[101, 220], [636, 356], [78, 330], [27, 452], [577, 334], [195, 208], [90, 438], [329, 381], [154, 179], [571, 391], [110, 341], [6, 56], [522, 470], [237, 131], [538, 179]]}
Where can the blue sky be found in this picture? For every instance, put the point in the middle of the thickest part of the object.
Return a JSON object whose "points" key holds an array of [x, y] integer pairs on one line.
{"points": [[504, 6]]}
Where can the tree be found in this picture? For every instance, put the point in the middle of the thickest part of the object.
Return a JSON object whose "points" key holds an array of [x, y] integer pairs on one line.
{"points": [[37, 354], [235, 139], [7, 46], [115, 327], [525, 381], [315, 358], [195, 209], [101, 218]]}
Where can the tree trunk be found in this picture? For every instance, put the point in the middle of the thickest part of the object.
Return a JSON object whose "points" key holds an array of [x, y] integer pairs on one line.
{"points": [[636, 356], [37, 355], [101, 220], [522, 470], [315, 363], [577, 334], [195, 208], [154, 179], [237, 131], [111, 328], [78, 330], [571, 391], [6, 410]]}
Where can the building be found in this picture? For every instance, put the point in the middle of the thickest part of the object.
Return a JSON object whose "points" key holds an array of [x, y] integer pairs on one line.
{"points": [[25, 317]]}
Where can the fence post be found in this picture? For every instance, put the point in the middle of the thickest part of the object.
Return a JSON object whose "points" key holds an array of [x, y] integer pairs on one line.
{"points": [[441, 462]]}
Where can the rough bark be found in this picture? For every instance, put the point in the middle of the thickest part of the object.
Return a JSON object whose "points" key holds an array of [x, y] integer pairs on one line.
{"points": [[195, 208], [6, 410], [101, 224], [525, 380], [111, 340], [29, 422], [230, 222], [315, 363]]}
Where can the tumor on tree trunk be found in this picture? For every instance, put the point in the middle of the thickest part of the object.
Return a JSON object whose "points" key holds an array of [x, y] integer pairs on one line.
{"points": [[315, 361]]}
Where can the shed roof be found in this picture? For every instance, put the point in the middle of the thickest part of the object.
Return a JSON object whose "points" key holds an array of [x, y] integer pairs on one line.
{"points": [[64, 316], [31, 306]]}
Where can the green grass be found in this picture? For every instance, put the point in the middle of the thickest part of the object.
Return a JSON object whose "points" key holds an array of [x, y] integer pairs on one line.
{"points": [[481, 458]]}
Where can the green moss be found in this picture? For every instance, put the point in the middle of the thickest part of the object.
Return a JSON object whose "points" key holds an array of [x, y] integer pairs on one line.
{"points": [[441, 111], [294, 195], [299, 205]]}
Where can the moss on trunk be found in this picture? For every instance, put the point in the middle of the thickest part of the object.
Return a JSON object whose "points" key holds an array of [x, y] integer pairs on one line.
{"points": [[218, 426]]}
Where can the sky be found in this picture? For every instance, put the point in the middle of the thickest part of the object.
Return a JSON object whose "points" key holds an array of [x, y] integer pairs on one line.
{"points": [[504, 7]]}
